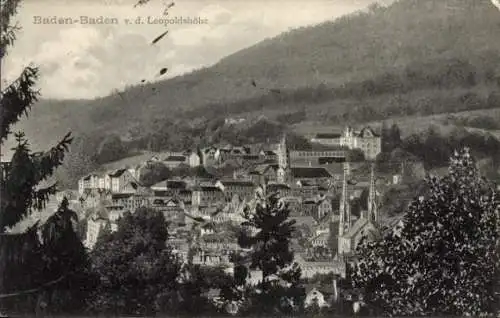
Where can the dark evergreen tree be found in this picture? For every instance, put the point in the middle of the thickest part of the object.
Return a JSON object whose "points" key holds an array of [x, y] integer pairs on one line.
{"points": [[268, 231], [20, 182], [64, 255], [445, 259], [391, 137], [395, 135]]}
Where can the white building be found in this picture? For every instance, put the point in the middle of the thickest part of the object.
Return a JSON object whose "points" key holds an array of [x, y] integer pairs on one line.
{"points": [[95, 224], [193, 159], [90, 181], [117, 180], [102, 217], [210, 156]]}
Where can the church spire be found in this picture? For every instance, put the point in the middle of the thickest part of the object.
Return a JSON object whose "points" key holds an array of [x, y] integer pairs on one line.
{"points": [[283, 152], [372, 197], [344, 209], [283, 160]]}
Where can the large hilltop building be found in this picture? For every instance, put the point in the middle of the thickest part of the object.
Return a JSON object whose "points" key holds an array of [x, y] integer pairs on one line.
{"points": [[366, 140]]}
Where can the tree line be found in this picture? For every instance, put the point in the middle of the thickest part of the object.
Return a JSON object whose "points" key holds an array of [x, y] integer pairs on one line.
{"points": [[437, 74]]}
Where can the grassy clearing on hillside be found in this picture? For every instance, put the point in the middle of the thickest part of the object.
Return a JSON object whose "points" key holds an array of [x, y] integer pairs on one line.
{"points": [[408, 124]]}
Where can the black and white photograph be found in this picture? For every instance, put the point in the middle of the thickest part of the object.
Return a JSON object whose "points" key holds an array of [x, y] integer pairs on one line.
{"points": [[249, 158]]}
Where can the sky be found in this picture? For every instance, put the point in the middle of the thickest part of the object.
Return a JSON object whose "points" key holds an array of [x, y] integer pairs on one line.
{"points": [[89, 60]]}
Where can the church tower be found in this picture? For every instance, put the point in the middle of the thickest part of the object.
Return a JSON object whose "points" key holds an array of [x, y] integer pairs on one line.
{"points": [[344, 212], [372, 198], [345, 207], [283, 153], [283, 160]]}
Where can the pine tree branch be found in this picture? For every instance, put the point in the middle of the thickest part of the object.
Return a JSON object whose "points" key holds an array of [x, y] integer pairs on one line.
{"points": [[17, 99], [7, 39], [19, 197], [8, 8], [41, 197], [48, 161]]}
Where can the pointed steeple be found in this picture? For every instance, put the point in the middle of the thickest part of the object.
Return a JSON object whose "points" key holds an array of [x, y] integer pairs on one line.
{"points": [[283, 152], [344, 209], [372, 197], [283, 160]]}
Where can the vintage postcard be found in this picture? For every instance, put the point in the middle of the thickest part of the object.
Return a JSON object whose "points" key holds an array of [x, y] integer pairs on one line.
{"points": [[251, 158]]}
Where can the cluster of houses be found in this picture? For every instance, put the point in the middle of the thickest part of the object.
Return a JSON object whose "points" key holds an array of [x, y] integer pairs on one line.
{"points": [[335, 199]]}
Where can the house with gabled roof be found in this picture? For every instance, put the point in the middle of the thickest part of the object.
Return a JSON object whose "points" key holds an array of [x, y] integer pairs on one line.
{"points": [[363, 227], [193, 158], [136, 188], [116, 180]]}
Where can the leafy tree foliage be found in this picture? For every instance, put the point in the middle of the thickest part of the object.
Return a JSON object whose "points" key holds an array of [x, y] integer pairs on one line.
{"points": [[154, 173], [355, 155], [270, 242], [445, 259], [433, 147], [137, 270], [482, 122], [195, 282], [391, 137]]}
